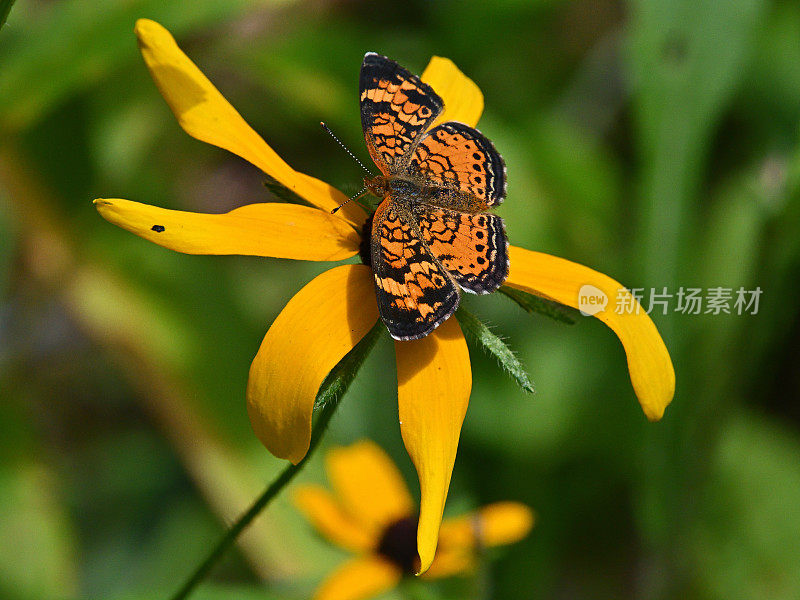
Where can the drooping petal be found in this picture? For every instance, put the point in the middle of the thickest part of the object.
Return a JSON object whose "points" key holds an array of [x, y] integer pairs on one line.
{"points": [[326, 514], [360, 578], [276, 230], [205, 114], [649, 363], [369, 485], [322, 323], [463, 100], [434, 382]]}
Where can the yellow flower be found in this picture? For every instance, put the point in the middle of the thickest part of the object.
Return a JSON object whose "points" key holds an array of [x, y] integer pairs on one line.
{"points": [[371, 514], [331, 314]]}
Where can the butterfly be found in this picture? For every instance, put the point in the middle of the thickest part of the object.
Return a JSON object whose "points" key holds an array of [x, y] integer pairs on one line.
{"points": [[431, 236]]}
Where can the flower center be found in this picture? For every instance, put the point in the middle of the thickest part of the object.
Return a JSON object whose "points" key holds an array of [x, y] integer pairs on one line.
{"points": [[366, 236], [399, 544]]}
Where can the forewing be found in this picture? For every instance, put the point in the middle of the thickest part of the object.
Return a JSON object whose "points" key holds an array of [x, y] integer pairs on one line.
{"points": [[396, 109], [458, 156], [414, 293], [472, 247]]}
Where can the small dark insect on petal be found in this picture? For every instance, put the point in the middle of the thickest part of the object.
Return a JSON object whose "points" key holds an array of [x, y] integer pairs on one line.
{"points": [[158, 228]]}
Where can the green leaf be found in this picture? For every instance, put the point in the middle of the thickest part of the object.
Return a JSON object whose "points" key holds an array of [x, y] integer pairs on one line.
{"points": [[342, 375], [5, 8], [534, 304], [492, 344]]}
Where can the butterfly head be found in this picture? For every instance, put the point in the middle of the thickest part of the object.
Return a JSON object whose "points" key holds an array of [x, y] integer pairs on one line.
{"points": [[379, 186], [394, 185]]}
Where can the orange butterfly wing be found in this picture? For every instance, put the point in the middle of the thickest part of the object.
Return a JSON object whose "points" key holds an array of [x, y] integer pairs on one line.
{"points": [[414, 292], [471, 247], [460, 157], [396, 109]]}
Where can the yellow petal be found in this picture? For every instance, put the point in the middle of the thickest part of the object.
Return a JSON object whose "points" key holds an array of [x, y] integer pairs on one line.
{"points": [[504, 523], [324, 512], [276, 230], [434, 382], [493, 525], [358, 579], [205, 114], [463, 100], [649, 363], [369, 485], [322, 323]]}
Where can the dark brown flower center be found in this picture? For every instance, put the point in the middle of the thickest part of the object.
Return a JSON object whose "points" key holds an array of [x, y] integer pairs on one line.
{"points": [[399, 544]]}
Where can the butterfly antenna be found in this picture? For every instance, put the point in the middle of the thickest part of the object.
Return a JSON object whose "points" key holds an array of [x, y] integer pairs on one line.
{"points": [[358, 195], [346, 149]]}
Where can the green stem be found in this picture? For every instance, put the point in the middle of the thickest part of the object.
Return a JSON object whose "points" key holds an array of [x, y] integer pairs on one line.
{"points": [[261, 502], [331, 391]]}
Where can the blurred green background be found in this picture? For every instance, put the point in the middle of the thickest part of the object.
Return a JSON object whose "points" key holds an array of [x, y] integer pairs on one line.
{"points": [[655, 141]]}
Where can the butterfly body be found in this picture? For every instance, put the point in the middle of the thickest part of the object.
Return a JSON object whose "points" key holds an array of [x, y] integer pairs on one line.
{"points": [[431, 236], [398, 186], [416, 189]]}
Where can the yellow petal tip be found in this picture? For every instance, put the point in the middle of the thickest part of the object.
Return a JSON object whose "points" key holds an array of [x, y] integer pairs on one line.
{"points": [[296, 458], [424, 566], [103, 206], [654, 409], [655, 415], [427, 541], [145, 27], [649, 363]]}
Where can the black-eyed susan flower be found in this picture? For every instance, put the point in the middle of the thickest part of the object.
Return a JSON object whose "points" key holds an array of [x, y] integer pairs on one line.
{"points": [[334, 311], [370, 513]]}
